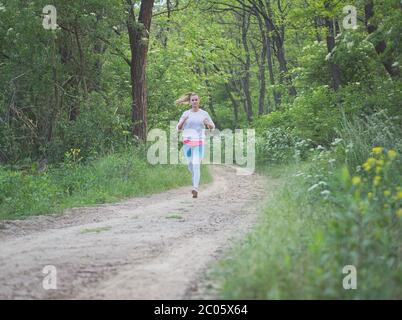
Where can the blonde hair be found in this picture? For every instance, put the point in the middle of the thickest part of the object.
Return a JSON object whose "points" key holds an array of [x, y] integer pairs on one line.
{"points": [[185, 99]]}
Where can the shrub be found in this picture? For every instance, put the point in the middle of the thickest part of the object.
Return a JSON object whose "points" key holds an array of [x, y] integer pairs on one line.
{"points": [[315, 115], [280, 145]]}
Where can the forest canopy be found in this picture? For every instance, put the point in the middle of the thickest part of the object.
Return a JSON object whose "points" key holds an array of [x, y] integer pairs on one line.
{"points": [[78, 81]]}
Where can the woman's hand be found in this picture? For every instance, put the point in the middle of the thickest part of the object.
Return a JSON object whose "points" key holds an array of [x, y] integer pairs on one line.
{"points": [[209, 125]]}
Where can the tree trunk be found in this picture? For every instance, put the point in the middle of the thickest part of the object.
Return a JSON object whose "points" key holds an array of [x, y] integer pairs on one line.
{"points": [[98, 49], [277, 95], [283, 66], [261, 98], [65, 43], [54, 101], [261, 59], [278, 37], [247, 65], [209, 89], [81, 61], [166, 33], [235, 105], [281, 57], [381, 46], [316, 28], [138, 32], [333, 67]]}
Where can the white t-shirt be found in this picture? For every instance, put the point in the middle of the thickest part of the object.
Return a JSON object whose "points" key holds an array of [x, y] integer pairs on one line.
{"points": [[194, 127]]}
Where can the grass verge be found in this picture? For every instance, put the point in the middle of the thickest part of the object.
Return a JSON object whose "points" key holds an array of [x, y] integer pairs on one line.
{"points": [[305, 237], [105, 180]]}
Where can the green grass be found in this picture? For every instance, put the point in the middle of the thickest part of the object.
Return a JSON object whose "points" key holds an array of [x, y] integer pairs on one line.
{"points": [[174, 216], [302, 242], [270, 262], [96, 230], [331, 211], [275, 170], [106, 180]]}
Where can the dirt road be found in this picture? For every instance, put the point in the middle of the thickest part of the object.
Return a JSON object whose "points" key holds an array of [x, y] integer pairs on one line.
{"points": [[154, 247]]}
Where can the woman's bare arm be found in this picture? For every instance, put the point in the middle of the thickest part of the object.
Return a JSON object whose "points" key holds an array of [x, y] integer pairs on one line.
{"points": [[181, 123]]}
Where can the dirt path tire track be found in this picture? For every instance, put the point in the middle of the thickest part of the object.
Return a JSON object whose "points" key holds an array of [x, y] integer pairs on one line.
{"points": [[154, 247]]}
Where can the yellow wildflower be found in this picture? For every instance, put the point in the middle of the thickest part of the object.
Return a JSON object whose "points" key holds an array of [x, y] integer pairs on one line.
{"points": [[378, 150], [392, 154], [366, 166], [399, 195], [376, 181], [370, 163], [356, 181], [387, 193], [380, 163], [399, 213]]}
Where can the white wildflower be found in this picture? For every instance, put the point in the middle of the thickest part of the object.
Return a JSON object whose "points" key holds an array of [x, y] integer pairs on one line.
{"points": [[325, 192], [313, 187], [336, 141]]}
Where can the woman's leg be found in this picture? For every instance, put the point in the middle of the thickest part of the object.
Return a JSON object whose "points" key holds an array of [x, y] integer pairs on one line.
{"points": [[190, 166], [198, 154], [196, 175], [188, 155]]}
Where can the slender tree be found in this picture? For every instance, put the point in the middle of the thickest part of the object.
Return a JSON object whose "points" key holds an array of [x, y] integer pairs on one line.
{"points": [[138, 32], [331, 34], [381, 45]]}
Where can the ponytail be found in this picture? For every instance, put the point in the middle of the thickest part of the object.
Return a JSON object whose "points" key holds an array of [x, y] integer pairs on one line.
{"points": [[185, 99]]}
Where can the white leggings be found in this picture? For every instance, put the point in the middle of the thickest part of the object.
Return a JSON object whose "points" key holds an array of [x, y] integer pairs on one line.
{"points": [[195, 170], [194, 156]]}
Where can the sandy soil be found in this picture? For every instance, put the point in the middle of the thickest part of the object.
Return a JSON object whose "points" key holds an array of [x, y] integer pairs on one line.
{"points": [[155, 247]]}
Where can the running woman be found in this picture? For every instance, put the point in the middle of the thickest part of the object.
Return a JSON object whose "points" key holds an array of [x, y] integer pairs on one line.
{"points": [[193, 123]]}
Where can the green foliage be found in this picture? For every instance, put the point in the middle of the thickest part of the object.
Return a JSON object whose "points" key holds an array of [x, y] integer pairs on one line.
{"points": [[308, 233], [273, 120], [357, 58], [65, 103], [313, 70], [100, 128], [364, 230], [321, 115], [315, 115], [359, 135], [278, 145], [107, 179], [272, 262]]}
